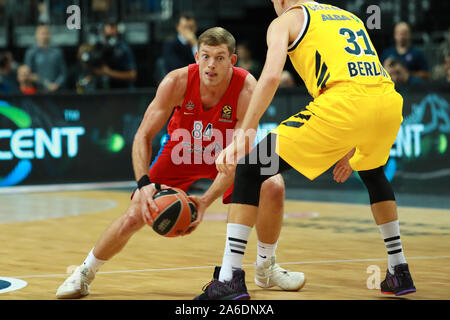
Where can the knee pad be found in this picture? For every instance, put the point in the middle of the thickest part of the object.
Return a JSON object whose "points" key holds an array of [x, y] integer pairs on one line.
{"points": [[247, 184], [377, 185], [255, 168]]}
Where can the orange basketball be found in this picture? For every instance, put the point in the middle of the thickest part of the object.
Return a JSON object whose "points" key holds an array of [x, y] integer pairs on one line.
{"points": [[176, 212]]}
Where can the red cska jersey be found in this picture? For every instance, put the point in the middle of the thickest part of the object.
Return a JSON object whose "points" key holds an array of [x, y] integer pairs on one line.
{"points": [[196, 136]]}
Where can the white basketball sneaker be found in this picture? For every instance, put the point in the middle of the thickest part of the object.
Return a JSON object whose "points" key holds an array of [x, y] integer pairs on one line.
{"points": [[271, 274], [77, 285]]}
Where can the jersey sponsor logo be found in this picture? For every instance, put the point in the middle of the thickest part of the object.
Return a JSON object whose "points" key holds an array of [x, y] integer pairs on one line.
{"points": [[227, 111], [190, 106]]}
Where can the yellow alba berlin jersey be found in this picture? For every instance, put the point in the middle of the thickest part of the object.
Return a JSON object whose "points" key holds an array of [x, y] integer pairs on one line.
{"points": [[334, 47], [355, 103]]}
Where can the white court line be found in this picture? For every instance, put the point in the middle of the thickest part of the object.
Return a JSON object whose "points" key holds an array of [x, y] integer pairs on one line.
{"points": [[244, 265]]}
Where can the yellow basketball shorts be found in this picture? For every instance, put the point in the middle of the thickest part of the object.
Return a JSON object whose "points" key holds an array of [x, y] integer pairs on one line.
{"points": [[365, 117]]}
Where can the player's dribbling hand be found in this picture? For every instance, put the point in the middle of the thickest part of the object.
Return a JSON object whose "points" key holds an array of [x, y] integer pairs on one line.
{"points": [[146, 202], [343, 170], [201, 209]]}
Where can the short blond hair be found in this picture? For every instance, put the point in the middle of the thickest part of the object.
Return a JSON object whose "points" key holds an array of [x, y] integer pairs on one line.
{"points": [[217, 36]]}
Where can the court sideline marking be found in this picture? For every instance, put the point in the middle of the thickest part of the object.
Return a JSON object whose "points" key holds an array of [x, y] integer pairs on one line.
{"points": [[244, 265]]}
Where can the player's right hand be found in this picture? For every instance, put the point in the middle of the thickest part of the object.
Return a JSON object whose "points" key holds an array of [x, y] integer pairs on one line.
{"points": [[343, 170], [146, 202]]}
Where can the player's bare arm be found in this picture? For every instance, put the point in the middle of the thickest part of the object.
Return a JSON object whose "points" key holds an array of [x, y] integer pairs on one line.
{"points": [[244, 101], [169, 94], [281, 32], [279, 35], [223, 181]]}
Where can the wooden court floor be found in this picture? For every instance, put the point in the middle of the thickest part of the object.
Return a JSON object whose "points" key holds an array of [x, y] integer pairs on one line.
{"points": [[334, 244]]}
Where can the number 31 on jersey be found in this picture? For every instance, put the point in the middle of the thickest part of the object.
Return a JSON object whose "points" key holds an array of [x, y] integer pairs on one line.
{"points": [[361, 68]]}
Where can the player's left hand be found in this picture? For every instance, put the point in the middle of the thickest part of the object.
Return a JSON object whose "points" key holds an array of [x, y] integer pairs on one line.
{"points": [[227, 160], [201, 209], [343, 170]]}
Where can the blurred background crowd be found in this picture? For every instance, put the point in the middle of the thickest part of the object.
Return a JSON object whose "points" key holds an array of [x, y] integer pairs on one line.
{"points": [[134, 43]]}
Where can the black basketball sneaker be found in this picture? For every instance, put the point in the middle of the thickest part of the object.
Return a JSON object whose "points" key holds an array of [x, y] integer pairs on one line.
{"points": [[399, 283], [235, 289]]}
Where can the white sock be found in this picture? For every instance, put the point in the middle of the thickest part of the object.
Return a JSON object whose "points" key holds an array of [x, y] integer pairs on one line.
{"points": [[92, 262], [391, 235], [236, 242], [264, 252]]}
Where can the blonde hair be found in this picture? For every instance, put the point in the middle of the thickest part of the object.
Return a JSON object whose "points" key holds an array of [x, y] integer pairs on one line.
{"points": [[217, 36]]}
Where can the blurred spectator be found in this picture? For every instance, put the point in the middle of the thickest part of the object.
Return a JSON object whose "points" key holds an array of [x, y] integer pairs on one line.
{"points": [[399, 72], [8, 74], [81, 75], [25, 79], [180, 52], [115, 63], [46, 63], [287, 80], [412, 58], [439, 70], [246, 61]]}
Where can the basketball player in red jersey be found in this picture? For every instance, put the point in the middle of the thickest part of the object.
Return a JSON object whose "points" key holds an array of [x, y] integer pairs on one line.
{"points": [[208, 99]]}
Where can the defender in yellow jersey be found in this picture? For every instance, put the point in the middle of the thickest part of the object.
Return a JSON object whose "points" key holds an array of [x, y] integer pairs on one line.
{"points": [[337, 61], [352, 122]]}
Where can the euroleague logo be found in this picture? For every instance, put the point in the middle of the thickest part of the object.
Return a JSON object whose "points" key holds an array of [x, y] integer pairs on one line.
{"points": [[27, 143]]}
